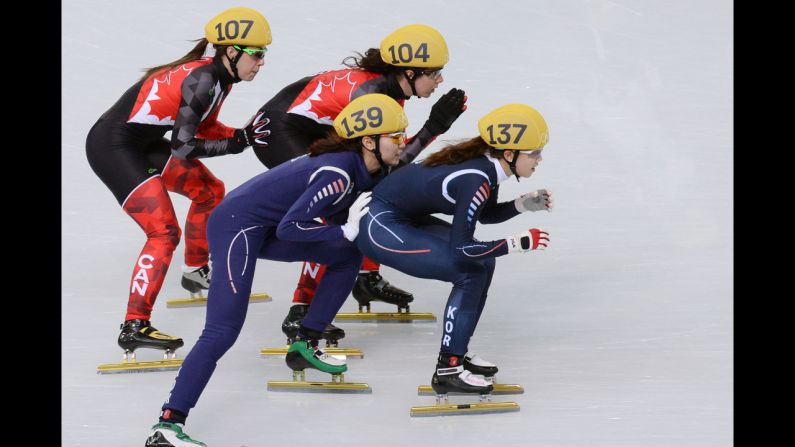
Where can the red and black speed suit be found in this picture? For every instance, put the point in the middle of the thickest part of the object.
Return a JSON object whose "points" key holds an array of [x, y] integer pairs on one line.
{"points": [[128, 152], [304, 112]]}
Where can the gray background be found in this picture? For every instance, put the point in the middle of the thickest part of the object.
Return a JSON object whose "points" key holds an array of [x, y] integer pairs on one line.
{"points": [[621, 332]]}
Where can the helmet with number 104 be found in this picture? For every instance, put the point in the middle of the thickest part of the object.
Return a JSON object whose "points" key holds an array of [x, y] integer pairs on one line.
{"points": [[418, 46], [516, 127], [239, 26], [370, 114]]}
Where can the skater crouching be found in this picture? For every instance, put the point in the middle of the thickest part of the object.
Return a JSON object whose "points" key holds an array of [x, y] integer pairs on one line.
{"points": [[407, 64], [272, 216], [126, 149], [461, 180]]}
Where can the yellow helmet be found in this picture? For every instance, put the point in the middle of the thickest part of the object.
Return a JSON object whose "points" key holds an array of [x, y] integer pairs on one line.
{"points": [[239, 26], [370, 114], [415, 46], [514, 126]]}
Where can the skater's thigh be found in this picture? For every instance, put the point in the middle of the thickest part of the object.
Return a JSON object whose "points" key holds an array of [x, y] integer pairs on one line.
{"points": [[407, 247], [323, 252], [437, 227], [233, 246]]}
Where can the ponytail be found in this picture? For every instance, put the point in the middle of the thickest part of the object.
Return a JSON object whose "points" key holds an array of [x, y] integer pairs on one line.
{"points": [[461, 152], [195, 54], [335, 143], [370, 61]]}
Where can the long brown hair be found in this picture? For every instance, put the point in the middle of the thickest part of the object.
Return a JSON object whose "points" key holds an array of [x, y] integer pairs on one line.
{"points": [[370, 61], [195, 54], [461, 152], [335, 143]]}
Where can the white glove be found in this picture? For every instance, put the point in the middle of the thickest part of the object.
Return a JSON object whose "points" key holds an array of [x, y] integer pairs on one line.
{"points": [[534, 201], [355, 213], [532, 239]]}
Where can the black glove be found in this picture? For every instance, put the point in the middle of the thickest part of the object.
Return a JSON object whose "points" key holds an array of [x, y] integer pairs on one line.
{"points": [[446, 110], [252, 134]]}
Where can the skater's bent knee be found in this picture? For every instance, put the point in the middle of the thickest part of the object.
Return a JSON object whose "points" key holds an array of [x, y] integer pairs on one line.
{"points": [[167, 235]]}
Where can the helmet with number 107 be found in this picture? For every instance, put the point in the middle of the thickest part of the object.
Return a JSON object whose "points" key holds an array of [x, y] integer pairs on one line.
{"points": [[239, 26]]}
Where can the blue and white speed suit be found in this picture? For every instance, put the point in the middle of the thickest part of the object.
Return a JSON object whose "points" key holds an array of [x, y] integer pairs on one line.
{"points": [[272, 216], [400, 232]]}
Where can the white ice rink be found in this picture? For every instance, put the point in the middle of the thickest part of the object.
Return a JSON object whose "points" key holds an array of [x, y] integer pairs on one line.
{"points": [[620, 332]]}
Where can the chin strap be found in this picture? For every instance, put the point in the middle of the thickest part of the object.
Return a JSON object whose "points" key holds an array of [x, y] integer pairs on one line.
{"points": [[411, 82], [385, 168], [233, 64], [512, 165]]}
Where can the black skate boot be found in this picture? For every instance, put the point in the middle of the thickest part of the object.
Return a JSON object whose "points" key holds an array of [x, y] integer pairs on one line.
{"points": [[141, 334], [476, 365], [195, 281], [333, 334], [451, 377], [292, 322], [370, 286]]}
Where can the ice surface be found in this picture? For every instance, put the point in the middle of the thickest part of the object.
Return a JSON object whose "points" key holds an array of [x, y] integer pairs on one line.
{"points": [[621, 332]]}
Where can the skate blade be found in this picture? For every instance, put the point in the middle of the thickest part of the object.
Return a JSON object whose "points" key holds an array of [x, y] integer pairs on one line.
{"points": [[386, 317], [461, 409], [344, 352], [499, 388], [134, 367], [319, 387], [202, 301]]}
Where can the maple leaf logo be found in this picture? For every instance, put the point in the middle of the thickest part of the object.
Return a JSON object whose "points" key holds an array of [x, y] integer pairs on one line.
{"points": [[326, 93], [150, 113]]}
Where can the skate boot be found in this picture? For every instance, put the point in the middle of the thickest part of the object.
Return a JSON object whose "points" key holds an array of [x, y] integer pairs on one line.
{"points": [[370, 286], [304, 354], [332, 334], [476, 365], [456, 379], [141, 334], [292, 321], [167, 434], [452, 377], [196, 280]]}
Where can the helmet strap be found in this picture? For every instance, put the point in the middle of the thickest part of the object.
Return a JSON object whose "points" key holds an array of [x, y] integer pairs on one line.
{"points": [[385, 168], [233, 64], [411, 81], [512, 164]]}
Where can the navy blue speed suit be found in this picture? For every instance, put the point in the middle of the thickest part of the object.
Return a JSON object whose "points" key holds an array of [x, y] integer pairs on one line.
{"points": [[400, 232], [272, 216]]}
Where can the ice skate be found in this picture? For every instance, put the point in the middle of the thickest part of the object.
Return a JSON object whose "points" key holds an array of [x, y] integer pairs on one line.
{"points": [[332, 334], [292, 322], [167, 434], [137, 334], [479, 366], [304, 354], [196, 281], [456, 380], [371, 286]]}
